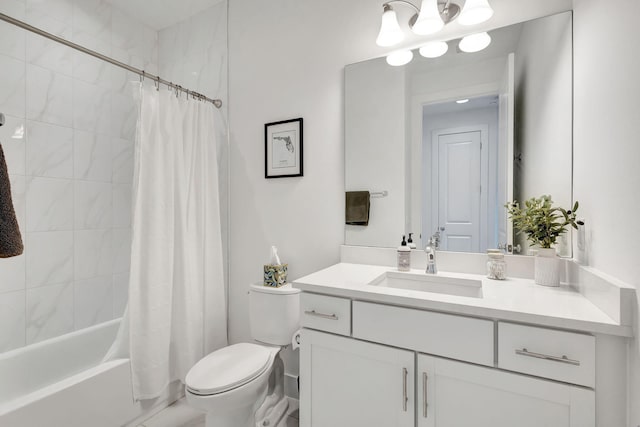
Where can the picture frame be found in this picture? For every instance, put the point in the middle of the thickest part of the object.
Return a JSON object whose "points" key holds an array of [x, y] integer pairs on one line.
{"points": [[283, 148]]}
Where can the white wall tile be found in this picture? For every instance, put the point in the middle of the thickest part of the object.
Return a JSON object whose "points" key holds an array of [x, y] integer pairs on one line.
{"points": [[124, 82], [49, 312], [92, 156], [86, 67], [61, 10], [91, 107], [93, 254], [12, 38], [49, 96], [92, 205], [125, 116], [75, 266], [12, 320], [12, 86], [93, 302], [122, 160], [13, 139], [49, 258], [48, 53], [49, 204], [12, 272], [121, 205], [93, 18], [15, 8], [120, 293], [121, 250], [49, 150]]}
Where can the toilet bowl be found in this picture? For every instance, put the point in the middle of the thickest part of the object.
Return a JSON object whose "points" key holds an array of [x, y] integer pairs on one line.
{"points": [[242, 385]]}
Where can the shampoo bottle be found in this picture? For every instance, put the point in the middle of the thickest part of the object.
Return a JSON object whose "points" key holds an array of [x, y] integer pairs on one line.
{"points": [[404, 256]]}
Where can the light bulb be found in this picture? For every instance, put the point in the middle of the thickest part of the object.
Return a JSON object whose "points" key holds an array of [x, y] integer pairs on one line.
{"points": [[390, 32], [475, 42], [434, 49], [429, 20], [475, 12], [399, 58]]}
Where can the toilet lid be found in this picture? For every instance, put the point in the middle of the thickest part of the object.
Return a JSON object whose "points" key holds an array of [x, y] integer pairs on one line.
{"points": [[228, 368]]}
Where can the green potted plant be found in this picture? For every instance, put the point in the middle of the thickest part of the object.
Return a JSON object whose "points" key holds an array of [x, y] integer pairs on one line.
{"points": [[543, 223]]}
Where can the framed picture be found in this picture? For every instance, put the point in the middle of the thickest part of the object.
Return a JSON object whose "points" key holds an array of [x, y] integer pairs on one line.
{"points": [[283, 149]]}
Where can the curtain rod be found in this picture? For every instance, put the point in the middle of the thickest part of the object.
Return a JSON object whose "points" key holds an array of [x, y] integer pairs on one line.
{"points": [[142, 73]]}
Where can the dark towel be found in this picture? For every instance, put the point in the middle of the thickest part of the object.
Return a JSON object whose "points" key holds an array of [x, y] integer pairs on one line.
{"points": [[358, 204], [10, 238]]}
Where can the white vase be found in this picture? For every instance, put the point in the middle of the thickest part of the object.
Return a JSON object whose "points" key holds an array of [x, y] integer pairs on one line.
{"points": [[547, 267]]}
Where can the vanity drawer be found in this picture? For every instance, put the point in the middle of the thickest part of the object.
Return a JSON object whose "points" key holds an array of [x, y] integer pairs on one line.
{"points": [[456, 337], [559, 355], [325, 313]]}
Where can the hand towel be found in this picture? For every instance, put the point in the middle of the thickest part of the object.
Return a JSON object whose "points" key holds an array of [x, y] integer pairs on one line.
{"points": [[358, 204], [10, 238]]}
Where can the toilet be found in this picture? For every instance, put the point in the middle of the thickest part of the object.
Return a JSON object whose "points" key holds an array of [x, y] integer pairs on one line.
{"points": [[242, 385]]}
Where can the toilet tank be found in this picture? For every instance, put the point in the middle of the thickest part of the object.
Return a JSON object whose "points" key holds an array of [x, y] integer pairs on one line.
{"points": [[274, 313]]}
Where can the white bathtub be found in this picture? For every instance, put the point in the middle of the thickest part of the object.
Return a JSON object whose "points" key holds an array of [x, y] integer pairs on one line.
{"points": [[62, 383]]}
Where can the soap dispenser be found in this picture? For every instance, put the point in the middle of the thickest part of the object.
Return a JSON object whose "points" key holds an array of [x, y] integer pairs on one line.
{"points": [[404, 256], [410, 242]]}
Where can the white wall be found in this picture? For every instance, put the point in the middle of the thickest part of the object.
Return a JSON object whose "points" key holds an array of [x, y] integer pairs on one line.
{"points": [[286, 60], [606, 148], [375, 149], [543, 97]]}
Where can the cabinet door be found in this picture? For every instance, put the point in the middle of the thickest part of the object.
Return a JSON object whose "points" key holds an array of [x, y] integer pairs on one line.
{"points": [[349, 383], [454, 394]]}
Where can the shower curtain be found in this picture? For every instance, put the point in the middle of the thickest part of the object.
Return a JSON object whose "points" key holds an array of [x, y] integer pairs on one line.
{"points": [[177, 307]]}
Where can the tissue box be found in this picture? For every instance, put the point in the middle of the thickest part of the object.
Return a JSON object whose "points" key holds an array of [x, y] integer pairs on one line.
{"points": [[275, 275]]}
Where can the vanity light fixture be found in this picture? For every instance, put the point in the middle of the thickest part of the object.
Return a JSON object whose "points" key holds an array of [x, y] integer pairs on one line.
{"points": [[430, 18], [475, 12], [434, 49], [399, 58], [462, 101], [390, 31], [474, 42]]}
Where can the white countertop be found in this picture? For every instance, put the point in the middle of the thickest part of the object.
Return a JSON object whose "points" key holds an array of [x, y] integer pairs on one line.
{"points": [[518, 300]]}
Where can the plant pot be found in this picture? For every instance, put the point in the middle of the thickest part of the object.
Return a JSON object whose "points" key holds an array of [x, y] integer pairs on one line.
{"points": [[547, 267]]}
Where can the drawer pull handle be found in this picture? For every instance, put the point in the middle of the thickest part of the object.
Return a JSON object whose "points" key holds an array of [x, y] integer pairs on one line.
{"points": [[424, 394], [563, 359], [405, 397], [324, 316]]}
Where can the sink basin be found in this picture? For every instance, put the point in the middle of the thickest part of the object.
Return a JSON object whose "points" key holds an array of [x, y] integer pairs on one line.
{"points": [[437, 283]]}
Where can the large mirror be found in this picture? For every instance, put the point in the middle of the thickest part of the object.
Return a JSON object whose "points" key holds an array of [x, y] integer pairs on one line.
{"points": [[442, 144]]}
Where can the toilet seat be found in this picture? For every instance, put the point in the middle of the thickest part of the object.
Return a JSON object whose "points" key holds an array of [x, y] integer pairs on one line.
{"points": [[229, 368]]}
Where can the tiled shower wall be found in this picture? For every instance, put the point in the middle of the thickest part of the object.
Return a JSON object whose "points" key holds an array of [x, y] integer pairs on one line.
{"points": [[69, 146]]}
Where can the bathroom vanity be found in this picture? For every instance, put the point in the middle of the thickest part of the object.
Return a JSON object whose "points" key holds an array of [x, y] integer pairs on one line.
{"points": [[383, 348]]}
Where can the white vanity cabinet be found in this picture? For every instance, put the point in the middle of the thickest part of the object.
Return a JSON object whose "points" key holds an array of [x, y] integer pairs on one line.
{"points": [[380, 376], [453, 394], [351, 383]]}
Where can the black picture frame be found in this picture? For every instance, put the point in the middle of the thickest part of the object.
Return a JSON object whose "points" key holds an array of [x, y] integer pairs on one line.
{"points": [[283, 149]]}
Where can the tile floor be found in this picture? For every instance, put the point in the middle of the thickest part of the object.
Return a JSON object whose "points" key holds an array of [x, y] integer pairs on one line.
{"points": [[181, 415]]}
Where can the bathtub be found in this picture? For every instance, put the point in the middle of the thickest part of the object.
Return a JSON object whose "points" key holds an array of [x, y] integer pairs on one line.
{"points": [[62, 383]]}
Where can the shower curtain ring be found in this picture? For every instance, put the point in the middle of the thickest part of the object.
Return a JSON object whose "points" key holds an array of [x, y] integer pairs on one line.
{"points": [[142, 76], [158, 84]]}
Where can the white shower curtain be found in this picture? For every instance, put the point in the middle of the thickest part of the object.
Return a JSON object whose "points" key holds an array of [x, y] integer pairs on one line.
{"points": [[177, 307]]}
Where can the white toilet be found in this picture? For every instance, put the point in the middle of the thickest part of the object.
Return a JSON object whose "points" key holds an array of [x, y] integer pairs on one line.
{"points": [[242, 385]]}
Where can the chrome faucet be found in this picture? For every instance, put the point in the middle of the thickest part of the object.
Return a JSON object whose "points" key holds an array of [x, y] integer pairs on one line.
{"points": [[430, 249]]}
